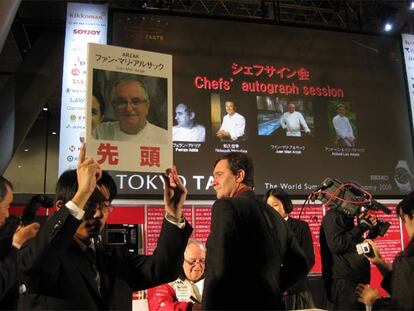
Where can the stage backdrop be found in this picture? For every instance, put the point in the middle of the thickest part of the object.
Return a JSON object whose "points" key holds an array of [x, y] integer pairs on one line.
{"points": [[264, 69]]}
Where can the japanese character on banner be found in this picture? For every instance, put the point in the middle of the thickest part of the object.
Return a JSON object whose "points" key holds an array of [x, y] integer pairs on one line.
{"points": [[129, 85]]}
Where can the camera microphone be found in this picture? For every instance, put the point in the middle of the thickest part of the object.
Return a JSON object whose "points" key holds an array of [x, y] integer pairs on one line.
{"points": [[328, 182], [377, 206]]}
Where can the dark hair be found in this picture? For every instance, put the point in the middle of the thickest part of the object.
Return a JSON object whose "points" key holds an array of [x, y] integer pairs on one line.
{"points": [[188, 107], [4, 184], [406, 206], [230, 101], [67, 185], [100, 100], [283, 196], [239, 161]]}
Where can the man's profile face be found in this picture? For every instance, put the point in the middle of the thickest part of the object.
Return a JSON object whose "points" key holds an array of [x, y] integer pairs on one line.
{"points": [[182, 116], [96, 214], [97, 116], [291, 108], [194, 262], [230, 108], [130, 106], [341, 111], [5, 205], [224, 182]]}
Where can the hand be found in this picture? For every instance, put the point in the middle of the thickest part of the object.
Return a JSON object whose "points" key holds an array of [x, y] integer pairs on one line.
{"points": [[375, 257], [369, 221], [222, 134], [23, 234], [175, 193], [88, 173], [366, 294]]}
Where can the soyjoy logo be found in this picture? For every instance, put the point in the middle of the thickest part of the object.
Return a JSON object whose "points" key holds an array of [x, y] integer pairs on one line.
{"points": [[86, 32]]}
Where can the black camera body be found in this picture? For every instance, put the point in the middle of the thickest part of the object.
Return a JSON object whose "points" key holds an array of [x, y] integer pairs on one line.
{"points": [[129, 235], [350, 199]]}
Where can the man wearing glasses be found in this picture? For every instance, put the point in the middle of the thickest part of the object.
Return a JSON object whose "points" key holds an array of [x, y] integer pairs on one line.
{"points": [[184, 293], [66, 267], [131, 104]]}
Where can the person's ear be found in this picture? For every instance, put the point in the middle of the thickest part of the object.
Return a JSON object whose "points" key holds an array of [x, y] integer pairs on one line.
{"points": [[192, 115], [240, 176], [59, 204]]}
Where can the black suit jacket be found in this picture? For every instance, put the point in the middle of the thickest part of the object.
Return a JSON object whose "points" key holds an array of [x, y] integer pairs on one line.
{"points": [[9, 285], [302, 233], [58, 274], [9, 281], [248, 243]]}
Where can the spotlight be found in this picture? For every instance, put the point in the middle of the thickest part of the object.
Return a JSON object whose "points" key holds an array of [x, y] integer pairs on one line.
{"points": [[387, 27], [411, 5]]}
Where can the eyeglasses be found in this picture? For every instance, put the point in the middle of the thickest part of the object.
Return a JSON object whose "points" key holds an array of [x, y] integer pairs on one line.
{"points": [[193, 262], [120, 102], [92, 207]]}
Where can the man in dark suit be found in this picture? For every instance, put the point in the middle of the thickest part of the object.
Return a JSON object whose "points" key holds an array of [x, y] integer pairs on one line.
{"points": [[65, 267], [248, 244], [342, 267], [12, 236], [298, 296]]}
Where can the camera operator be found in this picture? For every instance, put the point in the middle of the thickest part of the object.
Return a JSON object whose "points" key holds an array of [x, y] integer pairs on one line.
{"points": [[399, 279], [12, 236], [342, 267]]}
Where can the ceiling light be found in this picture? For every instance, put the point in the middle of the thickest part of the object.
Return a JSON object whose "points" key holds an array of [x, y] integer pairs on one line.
{"points": [[388, 27]]}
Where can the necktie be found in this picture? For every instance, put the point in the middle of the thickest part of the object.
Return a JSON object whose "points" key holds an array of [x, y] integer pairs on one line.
{"points": [[91, 254]]}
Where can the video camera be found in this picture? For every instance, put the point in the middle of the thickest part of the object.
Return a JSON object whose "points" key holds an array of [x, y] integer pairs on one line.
{"points": [[350, 199], [30, 211]]}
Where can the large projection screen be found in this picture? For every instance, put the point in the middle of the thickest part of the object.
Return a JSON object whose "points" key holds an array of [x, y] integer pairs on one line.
{"points": [[264, 70]]}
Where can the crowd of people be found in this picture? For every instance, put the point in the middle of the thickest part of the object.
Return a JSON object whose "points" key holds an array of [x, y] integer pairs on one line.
{"points": [[256, 257]]}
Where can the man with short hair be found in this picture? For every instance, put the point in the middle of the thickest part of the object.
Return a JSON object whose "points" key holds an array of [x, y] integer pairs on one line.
{"points": [[252, 255], [343, 129], [186, 129], [12, 237], [131, 104], [234, 124], [292, 121], [66, 267], [184, 293]]}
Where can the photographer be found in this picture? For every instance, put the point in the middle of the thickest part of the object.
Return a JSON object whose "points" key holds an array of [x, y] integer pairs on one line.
{"points": [[342, 267], [12, 236], [399, 279]]}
